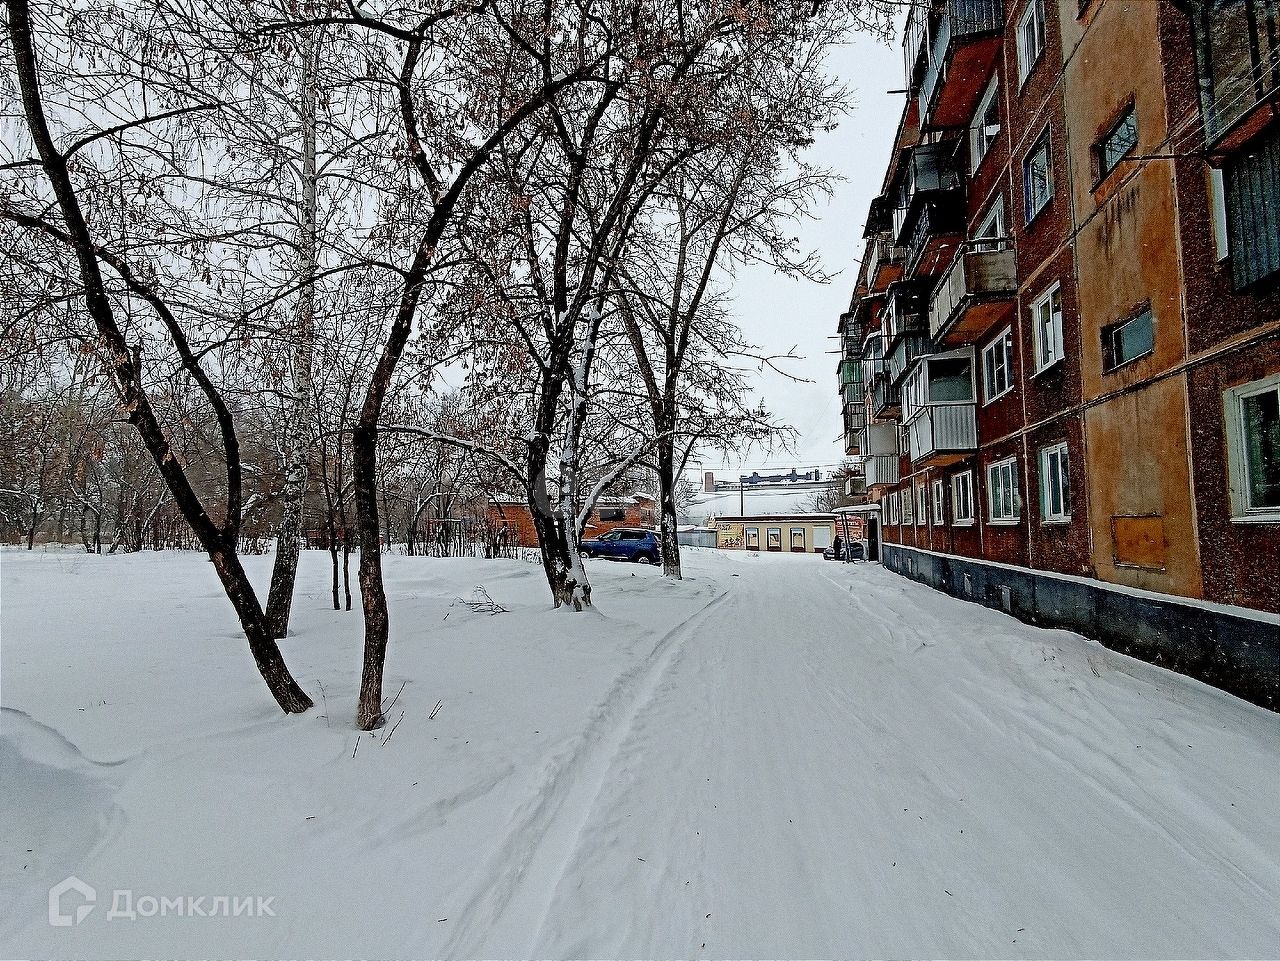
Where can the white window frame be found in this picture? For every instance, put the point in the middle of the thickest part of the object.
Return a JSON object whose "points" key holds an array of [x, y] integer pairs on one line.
{"points": [[992, 226], [981, 135], [1008, 480], [1043, 142], [1237, 452], [1004, 344], [939, 491], [908, 514], [1046, 327], [962, 499], [922, 503], [1055, 459], [1027, 56]]}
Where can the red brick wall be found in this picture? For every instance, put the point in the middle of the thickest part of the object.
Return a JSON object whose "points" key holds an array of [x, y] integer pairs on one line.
{"points": [[517, 518]]}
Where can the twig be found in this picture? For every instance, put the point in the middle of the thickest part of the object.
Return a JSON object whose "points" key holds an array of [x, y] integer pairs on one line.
{"points": [[357, 747], [325, 699], [394, 699], [393, 729], [435, 710]]}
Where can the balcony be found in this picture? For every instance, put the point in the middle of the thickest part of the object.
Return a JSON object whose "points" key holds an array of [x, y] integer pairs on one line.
{"points": [[851, 444], [961, 47], [881, 470], [906, 309], [886, 397], [852, 393], [976, 291], [904, 353], [884, 261], [939, 227], [931, 174], [1238, 63], [855, 416], [939, 409]]}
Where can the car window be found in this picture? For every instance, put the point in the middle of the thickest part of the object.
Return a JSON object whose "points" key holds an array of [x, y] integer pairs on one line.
{"points": [[610, 536]]}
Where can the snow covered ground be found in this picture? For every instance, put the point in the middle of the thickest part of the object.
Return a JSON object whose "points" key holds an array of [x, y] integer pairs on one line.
{"points": [[775, 757]]}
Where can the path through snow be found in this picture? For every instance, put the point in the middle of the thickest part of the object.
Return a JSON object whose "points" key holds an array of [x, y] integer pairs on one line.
{"points": [[777, 757]]}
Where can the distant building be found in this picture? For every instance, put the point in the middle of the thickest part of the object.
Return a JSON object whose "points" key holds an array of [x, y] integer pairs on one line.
{"points": [[512, 514], [779, 533]]}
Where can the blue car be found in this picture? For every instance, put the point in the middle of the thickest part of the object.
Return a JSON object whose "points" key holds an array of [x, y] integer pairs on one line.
{"points": [[624, 544]]}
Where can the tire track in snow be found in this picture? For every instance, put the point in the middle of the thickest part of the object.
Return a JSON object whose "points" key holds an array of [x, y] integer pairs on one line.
{"points": [[513, 895]]}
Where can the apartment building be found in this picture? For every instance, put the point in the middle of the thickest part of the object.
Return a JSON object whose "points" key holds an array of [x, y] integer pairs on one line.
{"points": [[1061, 359]]}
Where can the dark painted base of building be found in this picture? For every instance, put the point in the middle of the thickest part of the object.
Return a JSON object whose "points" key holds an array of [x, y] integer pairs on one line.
{"points": [[1236, 653]]}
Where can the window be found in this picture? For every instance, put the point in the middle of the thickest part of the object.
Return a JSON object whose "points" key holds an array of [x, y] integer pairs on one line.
{"points": [[922, 503], [1117, 143], [773, 538], [1253, 449], [1003, 506], [1037, 178], [891, 508], [1055, 485], [997, 367], [612, 513], [986, 124], [1046, 326], [753, 538], [938, 488], [962, 499], [1030, 38], [1238, 49], [908, 516], [991, 228], [1128, 340], [1252, 182]]}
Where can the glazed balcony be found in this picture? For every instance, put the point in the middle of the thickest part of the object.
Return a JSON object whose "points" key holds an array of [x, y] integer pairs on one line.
{"points": [[939, 409], [851, 443], [850, 373], [960, 48], [931, 174], [855, 415], [976, 291], [880, 439]]}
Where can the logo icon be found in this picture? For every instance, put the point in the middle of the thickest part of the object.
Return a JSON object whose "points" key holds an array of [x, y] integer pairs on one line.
{"points": [[61, 919]]}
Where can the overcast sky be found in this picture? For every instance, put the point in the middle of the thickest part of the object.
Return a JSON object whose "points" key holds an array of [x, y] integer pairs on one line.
{"points": [[778, 313]]}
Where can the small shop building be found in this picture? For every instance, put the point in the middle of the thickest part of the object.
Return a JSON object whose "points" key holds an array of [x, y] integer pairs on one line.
{"points": [[780, 533]]}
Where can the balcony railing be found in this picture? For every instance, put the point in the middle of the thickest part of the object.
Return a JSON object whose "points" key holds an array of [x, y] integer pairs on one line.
{"points": [[905, 350], [1238, 61], [945, 429], [886, 397], [882, 253], [851, 443], [850, 372], [905, 309], [983, 271], [959, 20], [938, 222], [881, 470], [853, 393]]}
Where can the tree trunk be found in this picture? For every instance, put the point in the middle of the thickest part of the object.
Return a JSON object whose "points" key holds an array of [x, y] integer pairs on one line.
{"points": [[667, 500], [266, 654], [285, 570], [565, 574]]}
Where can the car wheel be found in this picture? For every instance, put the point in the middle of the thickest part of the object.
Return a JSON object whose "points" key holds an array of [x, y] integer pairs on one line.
{"points": [[648, 558], [584, 553]]}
